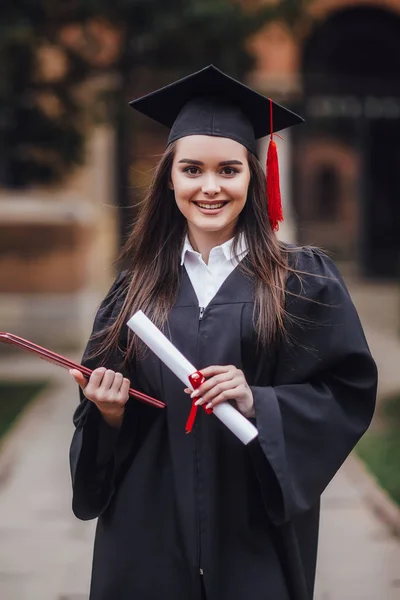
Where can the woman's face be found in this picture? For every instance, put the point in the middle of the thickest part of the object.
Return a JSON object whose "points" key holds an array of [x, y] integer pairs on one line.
{"points": [[210, 177]]}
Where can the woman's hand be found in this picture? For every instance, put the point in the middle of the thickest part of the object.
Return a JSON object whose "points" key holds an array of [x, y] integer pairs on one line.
{"points": [[108, 390], [225, 383]]}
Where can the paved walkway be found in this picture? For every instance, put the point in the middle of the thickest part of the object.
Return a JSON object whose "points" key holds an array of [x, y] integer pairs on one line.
{"points": [[45, 553], [358, 558]]}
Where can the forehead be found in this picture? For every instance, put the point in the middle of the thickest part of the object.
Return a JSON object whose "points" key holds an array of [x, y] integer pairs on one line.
{"points": [[207, 147]]}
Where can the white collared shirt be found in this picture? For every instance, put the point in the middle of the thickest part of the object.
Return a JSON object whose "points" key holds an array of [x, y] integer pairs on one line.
{"points": [[207, 279]]}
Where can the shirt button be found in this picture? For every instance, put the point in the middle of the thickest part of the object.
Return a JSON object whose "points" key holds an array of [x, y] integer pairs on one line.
{"points": [[201, 572]]}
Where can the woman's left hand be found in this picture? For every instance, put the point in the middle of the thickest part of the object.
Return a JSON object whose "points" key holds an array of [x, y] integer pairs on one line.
{"points": [[225, 383]]}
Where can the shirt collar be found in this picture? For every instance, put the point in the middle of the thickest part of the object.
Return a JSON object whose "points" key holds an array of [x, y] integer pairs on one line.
{"points": [[227, 248]]}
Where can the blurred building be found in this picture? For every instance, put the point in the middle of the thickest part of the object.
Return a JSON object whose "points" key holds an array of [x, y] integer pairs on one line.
{"points": [[339, 67], [341, 71], [56, 251]]}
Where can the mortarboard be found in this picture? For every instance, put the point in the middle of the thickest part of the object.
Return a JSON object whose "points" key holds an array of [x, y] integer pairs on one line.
{"points": [[209, 102]]}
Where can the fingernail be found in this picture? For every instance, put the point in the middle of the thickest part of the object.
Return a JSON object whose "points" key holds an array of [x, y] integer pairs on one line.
{"points": [[209, 405], [198, 402], [194, 394]]}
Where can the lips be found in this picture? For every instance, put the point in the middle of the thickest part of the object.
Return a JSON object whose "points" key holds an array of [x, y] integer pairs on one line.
{"points": [[211, 205]]}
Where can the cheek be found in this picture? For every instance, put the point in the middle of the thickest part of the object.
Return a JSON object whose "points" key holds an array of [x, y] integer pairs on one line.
{"points": [[239, 188], [184, 187]]}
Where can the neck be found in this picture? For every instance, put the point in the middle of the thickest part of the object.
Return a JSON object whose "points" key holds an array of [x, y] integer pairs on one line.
{"points": [[204, 241]]}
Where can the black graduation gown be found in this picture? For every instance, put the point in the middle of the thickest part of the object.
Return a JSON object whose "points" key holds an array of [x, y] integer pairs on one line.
{"points": [[171, 504]]}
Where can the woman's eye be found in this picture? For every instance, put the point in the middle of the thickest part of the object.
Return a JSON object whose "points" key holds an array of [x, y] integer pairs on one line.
{"points": [[229, 171], [192, 170]]}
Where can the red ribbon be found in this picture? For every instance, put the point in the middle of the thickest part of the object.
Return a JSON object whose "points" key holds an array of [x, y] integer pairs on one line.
{"points": [[196, 380]]}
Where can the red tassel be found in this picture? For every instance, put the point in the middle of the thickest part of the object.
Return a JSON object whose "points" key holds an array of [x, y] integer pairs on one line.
{"points": [[274, 199]]}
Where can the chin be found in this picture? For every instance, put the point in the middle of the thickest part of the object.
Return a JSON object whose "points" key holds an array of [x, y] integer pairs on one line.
{"points": [[217, 225]]}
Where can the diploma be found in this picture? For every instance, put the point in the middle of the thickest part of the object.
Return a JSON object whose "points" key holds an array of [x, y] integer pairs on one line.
{"points": [[184, 370]]}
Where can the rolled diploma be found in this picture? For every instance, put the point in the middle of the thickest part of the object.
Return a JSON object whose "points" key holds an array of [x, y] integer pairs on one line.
{"points": [[182, 368]]}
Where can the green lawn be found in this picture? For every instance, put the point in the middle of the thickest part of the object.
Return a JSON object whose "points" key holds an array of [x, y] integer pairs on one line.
{"points": [[380, 449], [14, 396]]}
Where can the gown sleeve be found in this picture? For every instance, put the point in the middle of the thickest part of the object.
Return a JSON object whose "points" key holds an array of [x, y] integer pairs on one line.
{"points": [[98, 450], [323, 394]]}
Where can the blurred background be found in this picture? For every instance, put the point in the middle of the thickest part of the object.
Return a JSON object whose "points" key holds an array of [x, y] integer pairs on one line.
{"points": [[74, 162]]}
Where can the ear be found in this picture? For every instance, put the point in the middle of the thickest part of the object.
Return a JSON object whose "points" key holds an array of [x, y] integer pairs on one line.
{"points": [[170, 185]]}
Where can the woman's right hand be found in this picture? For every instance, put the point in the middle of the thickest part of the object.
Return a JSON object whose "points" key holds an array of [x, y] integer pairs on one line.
{"points": [[108, 390]]}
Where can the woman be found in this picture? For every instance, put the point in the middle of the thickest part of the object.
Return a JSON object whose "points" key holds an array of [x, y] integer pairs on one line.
{"points": [[273, 330]]}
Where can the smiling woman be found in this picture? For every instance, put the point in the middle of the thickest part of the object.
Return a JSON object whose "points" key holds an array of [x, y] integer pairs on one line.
{"points": [[210, 191], [275, 334]]}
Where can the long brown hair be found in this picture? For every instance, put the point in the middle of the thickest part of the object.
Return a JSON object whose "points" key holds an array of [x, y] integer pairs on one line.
{"points": [[152, 254]]}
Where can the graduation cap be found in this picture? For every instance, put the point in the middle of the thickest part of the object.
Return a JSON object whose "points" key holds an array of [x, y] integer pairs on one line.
{"points": [[209, 102]]}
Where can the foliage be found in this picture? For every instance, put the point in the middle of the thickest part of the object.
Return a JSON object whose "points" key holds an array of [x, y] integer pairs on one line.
{"points": [[380, 449], [42, 118], [14, 397]]}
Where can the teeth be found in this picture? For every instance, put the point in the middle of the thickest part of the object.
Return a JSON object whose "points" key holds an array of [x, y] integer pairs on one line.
{"points": [[208, 206]]}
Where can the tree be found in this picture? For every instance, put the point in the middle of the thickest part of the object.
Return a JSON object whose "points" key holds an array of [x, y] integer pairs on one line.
{"points": [[41, 126], [40, 134]]}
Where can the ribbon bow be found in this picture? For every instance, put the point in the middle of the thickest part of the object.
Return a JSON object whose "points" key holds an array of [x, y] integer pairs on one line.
{"points": [[196, 380]]}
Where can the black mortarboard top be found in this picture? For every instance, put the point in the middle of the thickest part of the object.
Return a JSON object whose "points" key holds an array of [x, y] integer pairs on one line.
{"points": [[209, 102]]}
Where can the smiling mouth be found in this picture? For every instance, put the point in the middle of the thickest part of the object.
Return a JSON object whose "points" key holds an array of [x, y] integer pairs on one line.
{"points": [[211, 205]]}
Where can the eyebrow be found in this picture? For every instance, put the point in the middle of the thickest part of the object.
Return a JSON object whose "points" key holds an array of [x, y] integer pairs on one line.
{"points": [[223, 163]]}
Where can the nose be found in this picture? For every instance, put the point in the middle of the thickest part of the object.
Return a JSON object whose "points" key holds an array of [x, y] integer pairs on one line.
{"points": [[211, 186]]}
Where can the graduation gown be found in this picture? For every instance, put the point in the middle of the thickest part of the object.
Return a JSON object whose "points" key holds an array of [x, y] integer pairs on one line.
{"points": [[177, 511]]}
